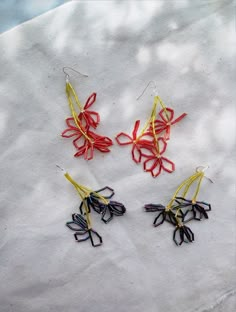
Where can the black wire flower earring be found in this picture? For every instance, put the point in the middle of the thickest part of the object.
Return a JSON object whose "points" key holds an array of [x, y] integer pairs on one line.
{"points": [[181, 210], [100, 202]]}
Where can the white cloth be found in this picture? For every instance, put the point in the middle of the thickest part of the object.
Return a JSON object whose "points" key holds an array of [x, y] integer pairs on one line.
{"points": [[188, 48]]}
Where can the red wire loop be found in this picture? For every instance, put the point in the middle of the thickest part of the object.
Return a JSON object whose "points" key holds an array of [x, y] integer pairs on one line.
{"points": [[143, 141], [86, 141], [155, 162], [89, 118], [164, 124]]}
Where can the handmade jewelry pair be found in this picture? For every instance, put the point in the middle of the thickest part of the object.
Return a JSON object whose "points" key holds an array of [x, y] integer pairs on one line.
{"points": [[148, 145], [148, 148]]}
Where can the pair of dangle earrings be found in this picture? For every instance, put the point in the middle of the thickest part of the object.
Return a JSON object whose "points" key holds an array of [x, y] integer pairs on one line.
{"points": [[179, 211], [148, 145]]}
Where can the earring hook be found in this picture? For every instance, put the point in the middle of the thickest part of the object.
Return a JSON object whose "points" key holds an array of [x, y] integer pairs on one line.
{"points": [[155, 89], [59, 167], [76, 71], [204, 168]]}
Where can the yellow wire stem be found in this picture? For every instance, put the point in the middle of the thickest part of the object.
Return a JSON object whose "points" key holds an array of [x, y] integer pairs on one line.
{"points": [[69, 90], [187, 187], [84, 192], [198, 187], [151, 120], [152, 117], [81, 192], [188, 180], [164, 107], [154, 107]]}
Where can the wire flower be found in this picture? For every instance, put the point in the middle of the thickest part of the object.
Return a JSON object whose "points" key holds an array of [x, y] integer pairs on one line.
{"points": [[185, 235], [179, 208], [145, 146], [93, 142], [139, 143], [114, 208], [166, 121], [80, 225], [155, 162], [163, 215], [95, 200], [85, 140], [72, 130], [198, 209], [164, 124], [89, 118], [106, 208]]}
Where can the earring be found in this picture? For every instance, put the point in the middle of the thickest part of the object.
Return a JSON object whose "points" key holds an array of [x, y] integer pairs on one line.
{"points": [[100, 202], [181, 210], [80, 124], [150, 143]]}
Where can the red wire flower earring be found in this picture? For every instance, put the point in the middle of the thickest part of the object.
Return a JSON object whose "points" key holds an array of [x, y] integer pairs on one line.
{"points": [[149, 145], [80, 124]]}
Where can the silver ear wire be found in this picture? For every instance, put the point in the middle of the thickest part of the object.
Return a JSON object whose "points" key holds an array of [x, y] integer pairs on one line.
{"points": [[204, 168], [68, 76], [63, 170], [154, 89]]}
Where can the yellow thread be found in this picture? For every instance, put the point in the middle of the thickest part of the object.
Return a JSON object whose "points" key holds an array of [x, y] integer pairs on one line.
{"points": [[179, 223], [84, 192], [80, 189], [187, 183], [164, 107], [198, 187], [151, 120], [191, 180], [106, 202], [70, 89], [153, 117], [87, 214], [169, 205]]}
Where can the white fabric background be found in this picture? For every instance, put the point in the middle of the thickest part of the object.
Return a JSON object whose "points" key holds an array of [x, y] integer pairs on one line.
{"points": [[189, 48]]}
